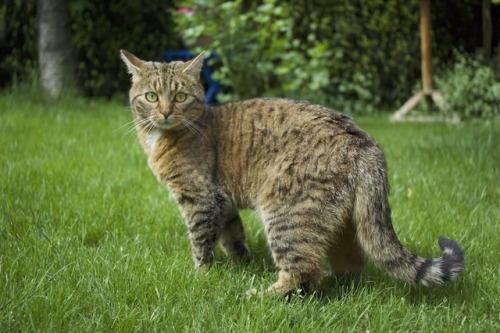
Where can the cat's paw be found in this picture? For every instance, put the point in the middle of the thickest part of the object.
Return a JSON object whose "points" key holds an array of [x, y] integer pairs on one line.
{"points": [[280, 288], [203, 264], [273, 292]]}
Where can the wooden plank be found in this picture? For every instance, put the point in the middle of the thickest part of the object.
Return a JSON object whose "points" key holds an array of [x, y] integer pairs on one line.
{"points": [[408, 106], [425, 45]]}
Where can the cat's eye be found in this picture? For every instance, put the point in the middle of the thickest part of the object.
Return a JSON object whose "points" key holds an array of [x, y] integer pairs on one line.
{"points": [[151, 97], [180, 97]]}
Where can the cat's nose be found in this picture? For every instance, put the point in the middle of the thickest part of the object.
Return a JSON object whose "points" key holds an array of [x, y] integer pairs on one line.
{"points": [[166, 113]]}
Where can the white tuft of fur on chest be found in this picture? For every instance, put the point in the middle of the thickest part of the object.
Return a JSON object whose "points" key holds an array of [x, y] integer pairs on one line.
{"points": [[152, 139]]}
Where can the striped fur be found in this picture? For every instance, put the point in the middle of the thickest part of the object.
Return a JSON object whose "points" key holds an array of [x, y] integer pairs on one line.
{"points": [[318, 182]]}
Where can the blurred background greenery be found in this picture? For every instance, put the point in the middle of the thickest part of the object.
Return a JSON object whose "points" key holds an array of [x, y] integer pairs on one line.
{"points": [[356, 56]]}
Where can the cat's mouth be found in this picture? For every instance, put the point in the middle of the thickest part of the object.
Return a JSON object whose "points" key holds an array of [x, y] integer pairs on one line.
{"points": [[165, 124]]}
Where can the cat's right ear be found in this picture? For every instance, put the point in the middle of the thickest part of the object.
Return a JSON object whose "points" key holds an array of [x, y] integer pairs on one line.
{"points": [[133, 63]]}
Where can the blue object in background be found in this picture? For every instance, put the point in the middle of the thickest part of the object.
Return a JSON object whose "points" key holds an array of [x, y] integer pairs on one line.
{"points": [[213, 87]]}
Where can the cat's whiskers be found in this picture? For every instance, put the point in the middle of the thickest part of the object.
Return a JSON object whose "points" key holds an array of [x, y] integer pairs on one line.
{"points": [[125, 126], [128, 129], [131, 130], [149, 127], [193, 126], [129, 108]]}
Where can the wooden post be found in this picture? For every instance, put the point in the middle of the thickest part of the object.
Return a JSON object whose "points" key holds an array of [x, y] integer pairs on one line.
{"points": [[427, 92], [487, 28], [425, 46]]}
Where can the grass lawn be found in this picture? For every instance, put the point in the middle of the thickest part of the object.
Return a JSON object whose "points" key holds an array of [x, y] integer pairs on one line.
{"points": [[90, 242]]}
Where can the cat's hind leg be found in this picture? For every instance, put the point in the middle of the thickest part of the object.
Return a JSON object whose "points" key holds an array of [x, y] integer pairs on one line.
{"points": [[298, 243], [345, 254], [232, 238]]}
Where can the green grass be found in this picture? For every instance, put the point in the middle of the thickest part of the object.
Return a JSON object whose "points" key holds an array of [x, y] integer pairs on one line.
{"points": [[90, 242]]}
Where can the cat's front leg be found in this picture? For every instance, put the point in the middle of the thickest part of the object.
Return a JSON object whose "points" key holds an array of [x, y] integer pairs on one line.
{"points": [[204, 216], [204, 231]]}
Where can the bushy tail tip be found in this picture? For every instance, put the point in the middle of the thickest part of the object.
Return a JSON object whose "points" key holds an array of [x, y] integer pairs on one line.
{"points": [[445, 268]]}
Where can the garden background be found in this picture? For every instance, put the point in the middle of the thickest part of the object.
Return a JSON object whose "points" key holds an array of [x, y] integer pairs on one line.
{"points": [[89, 241], [356, 56]]}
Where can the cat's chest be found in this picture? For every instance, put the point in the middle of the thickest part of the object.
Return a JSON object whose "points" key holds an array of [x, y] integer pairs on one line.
{"points": [[152, 140]]}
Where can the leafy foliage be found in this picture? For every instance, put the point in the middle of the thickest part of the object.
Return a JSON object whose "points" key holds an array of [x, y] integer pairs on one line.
{"points": [[331, 52], [356, 56], [471, 89], [353, 55]]}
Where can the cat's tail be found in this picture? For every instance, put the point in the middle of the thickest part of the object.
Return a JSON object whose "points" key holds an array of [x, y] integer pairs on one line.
{"points": [[379, 241]]}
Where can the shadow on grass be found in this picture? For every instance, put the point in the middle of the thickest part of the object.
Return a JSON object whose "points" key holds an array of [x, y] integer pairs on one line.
{"points": [[261, 272]]}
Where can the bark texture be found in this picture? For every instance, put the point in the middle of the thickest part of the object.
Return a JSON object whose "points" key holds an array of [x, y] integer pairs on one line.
{"points": [[55, 55]]}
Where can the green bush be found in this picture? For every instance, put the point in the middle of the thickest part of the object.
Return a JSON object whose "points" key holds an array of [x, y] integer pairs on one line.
{"points": [[353, 55], [350, 56], [471, 89]]}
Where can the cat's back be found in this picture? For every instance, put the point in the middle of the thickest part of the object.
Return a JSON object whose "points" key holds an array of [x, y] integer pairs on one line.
{"points": [[273, 141], [283, 120]]}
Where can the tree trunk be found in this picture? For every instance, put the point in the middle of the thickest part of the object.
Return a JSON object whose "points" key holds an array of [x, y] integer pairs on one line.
{"points": [[54, 47], [487, 28]]}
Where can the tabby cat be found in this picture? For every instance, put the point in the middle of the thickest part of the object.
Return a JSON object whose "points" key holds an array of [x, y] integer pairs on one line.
{"points": [[317, 181]]}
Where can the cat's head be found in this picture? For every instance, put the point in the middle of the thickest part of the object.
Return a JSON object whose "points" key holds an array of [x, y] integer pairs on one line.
{"points": [[165, 95]]}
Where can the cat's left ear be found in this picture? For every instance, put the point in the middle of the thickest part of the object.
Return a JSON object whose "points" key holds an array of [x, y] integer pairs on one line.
{"points": [[193, 67], [133, 63]]}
